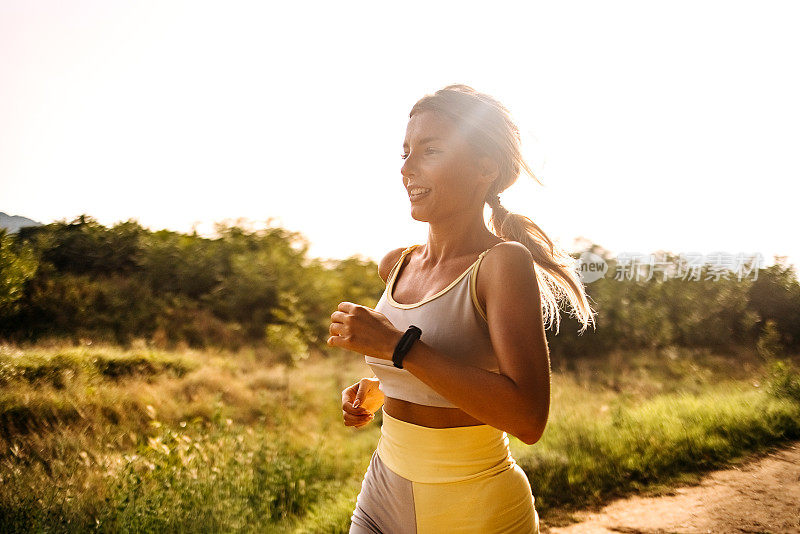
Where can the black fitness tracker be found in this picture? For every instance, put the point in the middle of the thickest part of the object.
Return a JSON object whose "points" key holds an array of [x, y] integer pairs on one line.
{"points": [[404, 345]]}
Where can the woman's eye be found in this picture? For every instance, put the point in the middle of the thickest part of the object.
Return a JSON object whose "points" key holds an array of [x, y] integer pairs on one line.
{"points": [[429, 151]]}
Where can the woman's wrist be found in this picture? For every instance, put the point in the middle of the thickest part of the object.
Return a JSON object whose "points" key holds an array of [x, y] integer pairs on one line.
{"points": [[394, 339]]}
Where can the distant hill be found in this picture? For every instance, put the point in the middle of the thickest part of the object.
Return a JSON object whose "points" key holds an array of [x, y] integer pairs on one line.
{"points": [[14, 222]]}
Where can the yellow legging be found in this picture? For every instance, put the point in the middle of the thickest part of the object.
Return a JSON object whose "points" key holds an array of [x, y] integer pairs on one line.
{"points": [[425, 480]]}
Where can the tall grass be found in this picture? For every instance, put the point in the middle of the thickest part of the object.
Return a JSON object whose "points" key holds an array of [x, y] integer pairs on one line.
{"points": [[216, 441], [583, 460]]}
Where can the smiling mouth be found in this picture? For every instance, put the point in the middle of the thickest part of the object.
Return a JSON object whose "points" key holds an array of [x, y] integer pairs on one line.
{"points": [[418, 195]]}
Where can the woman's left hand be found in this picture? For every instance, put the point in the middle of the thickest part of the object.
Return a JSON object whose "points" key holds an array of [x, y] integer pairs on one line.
{"points": [[363, 330]]}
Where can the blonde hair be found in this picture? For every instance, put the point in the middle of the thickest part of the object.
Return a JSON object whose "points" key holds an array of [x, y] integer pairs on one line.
{"points": [[489, 129]]}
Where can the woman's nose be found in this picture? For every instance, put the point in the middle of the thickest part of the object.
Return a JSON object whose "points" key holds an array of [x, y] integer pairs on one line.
{"points": [[407, 168]]}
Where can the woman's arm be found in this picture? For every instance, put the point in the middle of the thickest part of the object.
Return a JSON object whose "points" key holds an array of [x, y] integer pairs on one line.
{"points": [[518, 399]]}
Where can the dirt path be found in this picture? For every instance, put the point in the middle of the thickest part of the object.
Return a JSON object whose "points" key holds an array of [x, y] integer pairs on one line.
{"points": [[761, 495]]}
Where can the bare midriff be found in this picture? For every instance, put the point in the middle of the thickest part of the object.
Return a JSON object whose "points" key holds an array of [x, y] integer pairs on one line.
{"points": [[430, 416]]}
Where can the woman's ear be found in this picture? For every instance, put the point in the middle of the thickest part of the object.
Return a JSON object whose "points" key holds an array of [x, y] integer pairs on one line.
{"points": [[488, 169]]}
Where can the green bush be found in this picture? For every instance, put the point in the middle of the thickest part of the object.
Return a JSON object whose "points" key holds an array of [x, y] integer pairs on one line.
{"points": [[783, 380]]}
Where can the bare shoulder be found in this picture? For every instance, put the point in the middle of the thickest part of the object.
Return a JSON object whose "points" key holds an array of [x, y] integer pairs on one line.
{"points": [[509, 264], [507, 255], [389, 261]]}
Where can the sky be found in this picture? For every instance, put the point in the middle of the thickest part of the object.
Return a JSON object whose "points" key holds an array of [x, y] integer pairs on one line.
{"points": [[653, 126]]}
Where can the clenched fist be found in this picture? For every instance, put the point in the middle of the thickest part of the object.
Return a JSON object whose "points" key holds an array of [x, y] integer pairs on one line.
{"points": [[360, 402], [363, 330]]}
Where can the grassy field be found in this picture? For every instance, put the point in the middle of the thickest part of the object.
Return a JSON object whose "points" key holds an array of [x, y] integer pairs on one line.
{"points": [[101, 438]]}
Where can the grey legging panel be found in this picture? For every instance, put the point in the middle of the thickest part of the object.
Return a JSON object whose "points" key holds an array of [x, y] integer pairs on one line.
{"points": [[385, 504]]}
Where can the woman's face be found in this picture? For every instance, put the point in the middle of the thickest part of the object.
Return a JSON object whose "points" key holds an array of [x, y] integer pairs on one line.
{"points": [[439, 161]]}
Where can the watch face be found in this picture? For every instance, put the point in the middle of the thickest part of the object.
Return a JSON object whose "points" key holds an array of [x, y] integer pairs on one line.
{"points": [[404, 345]]}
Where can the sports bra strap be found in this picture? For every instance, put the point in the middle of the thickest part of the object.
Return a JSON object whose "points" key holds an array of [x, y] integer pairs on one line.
{"points": [[412, 247], [399, 261]]}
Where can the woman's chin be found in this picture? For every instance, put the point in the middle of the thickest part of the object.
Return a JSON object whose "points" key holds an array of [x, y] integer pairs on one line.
{"points": [[418, 214]]}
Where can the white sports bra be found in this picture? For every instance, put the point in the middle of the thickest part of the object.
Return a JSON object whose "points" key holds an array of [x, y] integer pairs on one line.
{"points": [[452, 322]]}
